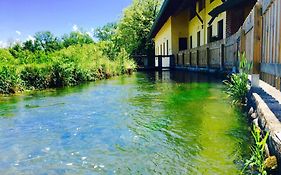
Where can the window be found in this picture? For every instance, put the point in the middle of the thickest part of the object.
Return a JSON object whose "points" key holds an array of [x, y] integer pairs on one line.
{"points": [[182, 44], [210, 34], [201, 5], [220, 30], [190, 42], [198, 39]]}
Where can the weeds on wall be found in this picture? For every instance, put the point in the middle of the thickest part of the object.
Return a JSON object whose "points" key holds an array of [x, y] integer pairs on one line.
{"points": [[255, 165], [237, 86]]}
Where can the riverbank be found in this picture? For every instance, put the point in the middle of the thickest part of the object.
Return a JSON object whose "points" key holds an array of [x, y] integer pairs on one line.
{"points": [[66, 67], [264, 105]]}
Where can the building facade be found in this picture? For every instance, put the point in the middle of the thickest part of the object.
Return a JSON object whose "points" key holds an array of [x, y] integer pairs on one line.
{"points": [[186, 24]]}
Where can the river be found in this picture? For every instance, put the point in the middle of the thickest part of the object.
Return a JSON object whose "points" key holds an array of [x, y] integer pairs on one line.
{"points": [[146, 123]]}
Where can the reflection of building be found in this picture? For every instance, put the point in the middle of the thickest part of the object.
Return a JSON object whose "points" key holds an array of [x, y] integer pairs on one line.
{"points": [[185, 24]]}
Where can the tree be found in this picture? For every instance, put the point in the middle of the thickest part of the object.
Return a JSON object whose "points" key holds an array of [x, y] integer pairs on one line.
{"points": [[75, 38], [136, 24], [46, 41], [106, 32]]}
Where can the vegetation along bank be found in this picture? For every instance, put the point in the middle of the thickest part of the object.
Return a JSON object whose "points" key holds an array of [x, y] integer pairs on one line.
{"points": [[47, 61]]}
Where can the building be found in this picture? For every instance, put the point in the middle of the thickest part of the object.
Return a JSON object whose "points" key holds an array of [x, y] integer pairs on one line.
{"points": [[186, 24]]}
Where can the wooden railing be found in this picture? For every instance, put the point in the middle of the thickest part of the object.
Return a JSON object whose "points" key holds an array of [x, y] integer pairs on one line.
{"points": [[221, 54]]}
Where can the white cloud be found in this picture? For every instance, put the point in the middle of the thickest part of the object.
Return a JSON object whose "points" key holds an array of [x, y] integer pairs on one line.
{"points": [[18, 32], [75, 28]]}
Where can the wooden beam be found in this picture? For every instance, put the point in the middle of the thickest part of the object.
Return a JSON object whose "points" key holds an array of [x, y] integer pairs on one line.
{"points": [[257, 38]]}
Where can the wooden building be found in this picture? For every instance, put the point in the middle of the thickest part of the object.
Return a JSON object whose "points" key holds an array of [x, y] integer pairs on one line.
{"points": [[187, 24]]}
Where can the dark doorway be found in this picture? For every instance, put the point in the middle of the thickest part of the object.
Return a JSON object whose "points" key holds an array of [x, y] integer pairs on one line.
{"points": [[182, 44], [220, 30]]}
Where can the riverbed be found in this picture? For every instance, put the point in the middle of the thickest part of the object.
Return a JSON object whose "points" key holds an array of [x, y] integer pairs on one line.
{"points": [[146, 123]]}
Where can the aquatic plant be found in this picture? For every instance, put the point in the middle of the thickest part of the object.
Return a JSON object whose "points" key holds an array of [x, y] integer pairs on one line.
{"points": [[256, 162], [237, 85]]}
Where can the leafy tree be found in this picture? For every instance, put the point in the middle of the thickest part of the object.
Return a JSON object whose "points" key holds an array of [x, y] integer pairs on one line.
{"points": [[46, 41], [29, 45], [106, 32], [75, 38], [136, 24]]}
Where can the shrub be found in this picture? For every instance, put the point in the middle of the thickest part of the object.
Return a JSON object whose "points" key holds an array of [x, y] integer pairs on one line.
{"points": [[35, 76], [237, 86], [9, 80]]}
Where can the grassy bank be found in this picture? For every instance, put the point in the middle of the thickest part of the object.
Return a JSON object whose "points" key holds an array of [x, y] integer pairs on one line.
{"points": [[25, 70]]}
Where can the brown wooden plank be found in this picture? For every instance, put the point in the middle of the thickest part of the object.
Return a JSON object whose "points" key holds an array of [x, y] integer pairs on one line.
{"points": [[257, 38]]}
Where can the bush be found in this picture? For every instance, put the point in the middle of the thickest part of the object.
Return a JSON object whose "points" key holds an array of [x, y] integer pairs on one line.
{"points": [[9, 80], [66, 67], [237, 86], [35, 76]]}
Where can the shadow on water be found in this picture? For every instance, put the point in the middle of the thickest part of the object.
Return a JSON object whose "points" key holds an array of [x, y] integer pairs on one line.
{"points": [[148, 123]]}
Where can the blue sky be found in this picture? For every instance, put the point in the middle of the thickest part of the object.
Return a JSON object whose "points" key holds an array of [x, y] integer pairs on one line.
{"points": [[20, 19]]}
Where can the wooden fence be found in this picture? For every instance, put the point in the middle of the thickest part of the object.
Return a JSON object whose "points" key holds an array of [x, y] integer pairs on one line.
{"points": [[260, 40]]}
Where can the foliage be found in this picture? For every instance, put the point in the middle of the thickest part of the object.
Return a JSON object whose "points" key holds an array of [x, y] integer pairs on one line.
{"points": [[9, 79], [237, 86], [66, 67], [136, 24], [47, 61], [256, 162], [131, 32], [106, 32], [75, 38], [46, 41]]}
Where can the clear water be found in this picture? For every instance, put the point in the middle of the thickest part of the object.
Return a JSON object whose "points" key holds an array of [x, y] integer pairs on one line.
{"points": [[147, 123]]}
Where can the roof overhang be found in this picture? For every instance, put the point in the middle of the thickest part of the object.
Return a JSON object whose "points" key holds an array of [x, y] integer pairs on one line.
{"points": [[169, 8], [227, 5]]}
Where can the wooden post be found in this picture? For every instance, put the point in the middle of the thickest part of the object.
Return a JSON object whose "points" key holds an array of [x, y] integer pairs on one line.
{"points": [[190, 57], [183, 59], [197, 58], [257, 44], [222, 49], [172, 61], [242, 41], [160, 62], [208, 57]]}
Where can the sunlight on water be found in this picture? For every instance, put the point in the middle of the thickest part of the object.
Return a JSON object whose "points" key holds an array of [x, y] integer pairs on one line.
{"points": [[147, 123]]}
